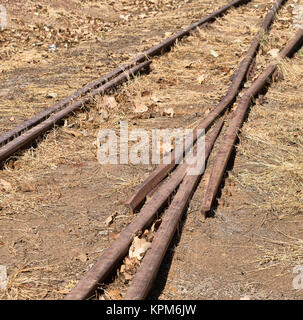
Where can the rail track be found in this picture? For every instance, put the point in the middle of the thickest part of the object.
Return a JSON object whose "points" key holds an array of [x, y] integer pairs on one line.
{"points": [[168, 181], [28, 131]]}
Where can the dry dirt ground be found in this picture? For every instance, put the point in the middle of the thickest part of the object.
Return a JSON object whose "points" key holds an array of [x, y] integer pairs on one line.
{"points": [[55, 196]]}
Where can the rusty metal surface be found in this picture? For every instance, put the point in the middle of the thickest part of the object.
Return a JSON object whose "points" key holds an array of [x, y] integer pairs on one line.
{"points": [[155, 50], [26, 125], [147, 272], [30, 135], [113, 255], [162, 170], [236, 122], [118, 249]]}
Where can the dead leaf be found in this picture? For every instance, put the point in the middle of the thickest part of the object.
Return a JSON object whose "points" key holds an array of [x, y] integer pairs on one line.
{"points": [[109, 102], [26, 187], [131, 265], [82, 257], [115, 236], [150, 237], [201, 79], [122, 269], [145, 93], [234, 107], [139, 248], [114, 294], [127, 261], [124, 17], [156, 99], [156, 225], [169, 112], [74, 133], [5, 185], [64, 291], [140, 107], [110, 219], [214, 53], [83, 116], [207, 111], [274, 52], [129, 268], [127, 276], [52, 95], [188, 65], [43, 294], [104, 114]]}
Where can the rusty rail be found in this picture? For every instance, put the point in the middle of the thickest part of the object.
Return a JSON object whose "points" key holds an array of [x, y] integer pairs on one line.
{"points": [[155, 50], [115, 253], [162, 170], [26, 125], [111, 257], [30, 135], [237, 120], [147, 272]]}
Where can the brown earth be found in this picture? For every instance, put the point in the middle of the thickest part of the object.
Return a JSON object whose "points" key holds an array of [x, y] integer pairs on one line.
{"points": [[55, 197]]}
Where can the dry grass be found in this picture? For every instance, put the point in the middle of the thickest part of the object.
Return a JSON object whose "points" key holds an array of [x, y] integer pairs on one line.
{"points": [[30, 71], [280, 253], [270, 152], [38, 189], [275, 171], [21, 286], [271, 162]]}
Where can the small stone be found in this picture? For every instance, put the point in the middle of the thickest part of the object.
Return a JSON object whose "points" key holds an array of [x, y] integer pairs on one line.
{"points": [[103, 233], [52, 95], [52, 47]]}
